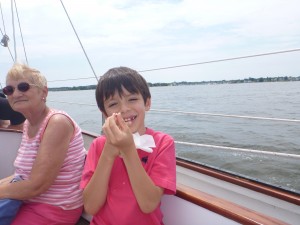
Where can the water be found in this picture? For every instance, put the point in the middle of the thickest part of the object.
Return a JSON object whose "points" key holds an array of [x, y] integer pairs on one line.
{"points": [[275, 100]]}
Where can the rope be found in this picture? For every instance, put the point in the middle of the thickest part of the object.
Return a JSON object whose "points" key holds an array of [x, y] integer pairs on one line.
{"points": [[84, 78], [79, 41], [21, 32], [222, 60], [13, 25], [233, 116], [202, 114], [199, 63], [2, 20], [216, 146], [5, 31], [75, 103], [240, 149]]}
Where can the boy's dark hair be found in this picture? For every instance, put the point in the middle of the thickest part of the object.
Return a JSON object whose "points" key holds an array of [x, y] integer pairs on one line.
{"points": [[116, 78]]}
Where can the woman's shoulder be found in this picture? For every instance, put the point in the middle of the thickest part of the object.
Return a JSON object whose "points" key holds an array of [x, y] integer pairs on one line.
{"points": [[59, 116], [53, 111], [59, 121]]}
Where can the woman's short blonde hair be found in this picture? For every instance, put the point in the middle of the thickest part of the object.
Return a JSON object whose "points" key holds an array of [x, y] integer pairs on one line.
{"points": [[22, 71]]}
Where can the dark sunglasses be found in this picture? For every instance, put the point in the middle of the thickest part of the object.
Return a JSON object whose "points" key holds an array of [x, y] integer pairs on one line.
{"points": [[23, 87]]}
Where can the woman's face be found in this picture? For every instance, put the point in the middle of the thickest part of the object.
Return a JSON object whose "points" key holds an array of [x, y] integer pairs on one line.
{"points": [[26, 96]]}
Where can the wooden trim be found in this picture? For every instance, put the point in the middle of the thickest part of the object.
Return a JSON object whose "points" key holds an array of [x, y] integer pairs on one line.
{"points": [[90, 134], [225, 208], [10, 130], [249, 184]]}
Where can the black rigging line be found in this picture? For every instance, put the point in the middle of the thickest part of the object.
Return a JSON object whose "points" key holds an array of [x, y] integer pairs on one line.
{"points": [[222, 60], [79, 41], [205, 62], [4, 34], [2, 19], [21, 31], [84, 78], [14, 33]]}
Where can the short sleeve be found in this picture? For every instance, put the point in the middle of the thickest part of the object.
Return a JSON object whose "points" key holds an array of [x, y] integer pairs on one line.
{"points": [[163, 172]]}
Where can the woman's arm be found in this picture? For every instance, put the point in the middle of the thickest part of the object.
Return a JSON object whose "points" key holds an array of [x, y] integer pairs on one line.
{"points": [[6, 179], [50, 157]]}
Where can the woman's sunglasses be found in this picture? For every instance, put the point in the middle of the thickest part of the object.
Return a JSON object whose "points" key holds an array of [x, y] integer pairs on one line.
{"points": [[23, 87]]}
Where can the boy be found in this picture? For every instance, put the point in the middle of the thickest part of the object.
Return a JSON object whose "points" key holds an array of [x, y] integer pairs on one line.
{"points": [[122, 183]]}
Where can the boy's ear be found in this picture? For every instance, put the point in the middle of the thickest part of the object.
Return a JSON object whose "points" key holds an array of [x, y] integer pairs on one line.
{"points": [[148, 104]]}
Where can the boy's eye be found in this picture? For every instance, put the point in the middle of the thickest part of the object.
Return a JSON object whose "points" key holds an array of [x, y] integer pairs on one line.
{"points": [[112, 104], [133, 99]]}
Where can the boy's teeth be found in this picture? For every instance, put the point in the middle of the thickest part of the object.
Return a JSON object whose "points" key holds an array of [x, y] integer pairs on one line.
{"points": [[128, 119]]}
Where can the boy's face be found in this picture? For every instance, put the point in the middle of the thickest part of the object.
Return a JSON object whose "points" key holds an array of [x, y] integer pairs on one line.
{"points": [[131, 107]]}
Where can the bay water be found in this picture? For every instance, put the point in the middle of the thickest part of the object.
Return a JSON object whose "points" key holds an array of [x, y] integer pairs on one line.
{"points": [[193, 114]]}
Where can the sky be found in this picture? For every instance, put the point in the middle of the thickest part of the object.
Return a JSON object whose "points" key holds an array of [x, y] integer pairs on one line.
{"points": [[150, 34]]}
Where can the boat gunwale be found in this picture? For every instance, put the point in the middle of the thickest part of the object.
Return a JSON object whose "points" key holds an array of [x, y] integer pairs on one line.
{"points": [[263, 188], [225, 208], [10, 130]]}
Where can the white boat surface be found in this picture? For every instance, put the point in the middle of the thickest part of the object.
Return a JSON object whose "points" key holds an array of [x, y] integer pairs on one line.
{"points": [[204, 195]]}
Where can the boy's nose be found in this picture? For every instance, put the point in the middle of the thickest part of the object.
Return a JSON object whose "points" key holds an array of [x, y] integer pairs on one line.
{"points": [[124, 108]]}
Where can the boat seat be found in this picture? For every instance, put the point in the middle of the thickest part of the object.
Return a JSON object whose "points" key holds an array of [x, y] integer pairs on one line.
{"points": [[82, 221]]}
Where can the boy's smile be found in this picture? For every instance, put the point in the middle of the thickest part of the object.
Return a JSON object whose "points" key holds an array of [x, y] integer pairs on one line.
{"points": [[129, 119], [132, 108]]}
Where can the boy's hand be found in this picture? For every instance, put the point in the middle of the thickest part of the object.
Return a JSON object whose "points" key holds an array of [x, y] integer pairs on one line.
{"points": [[118, 134]]}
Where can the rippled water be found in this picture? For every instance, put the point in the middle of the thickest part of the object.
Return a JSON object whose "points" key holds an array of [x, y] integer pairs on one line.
{"points": [[276, 100]]}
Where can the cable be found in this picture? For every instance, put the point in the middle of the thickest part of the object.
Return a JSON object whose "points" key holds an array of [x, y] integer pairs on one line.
{"points": [[79, 41], [4, 33], [233, 116], [222, 60], [241, 149], [2, 19], [207, 62], [21, 32]]}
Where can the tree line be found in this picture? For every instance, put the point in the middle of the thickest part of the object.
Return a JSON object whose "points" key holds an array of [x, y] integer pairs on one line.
{"points": [[246, 80]]}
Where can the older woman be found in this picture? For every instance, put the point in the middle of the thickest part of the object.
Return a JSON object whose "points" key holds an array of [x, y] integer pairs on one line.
{"points": [[51, 156]]}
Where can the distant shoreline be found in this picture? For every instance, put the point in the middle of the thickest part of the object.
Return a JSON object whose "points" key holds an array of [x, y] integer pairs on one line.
{"points": [[246, 80]]}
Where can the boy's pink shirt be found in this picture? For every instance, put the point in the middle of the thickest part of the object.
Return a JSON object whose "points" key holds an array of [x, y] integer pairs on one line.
{"points": [[121, 206]]}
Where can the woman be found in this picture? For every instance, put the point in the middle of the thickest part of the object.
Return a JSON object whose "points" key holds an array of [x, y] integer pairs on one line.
{"points": [[50, 158]]}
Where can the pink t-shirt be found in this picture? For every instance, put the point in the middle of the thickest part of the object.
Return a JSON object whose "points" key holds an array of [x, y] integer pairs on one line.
{"points": [[64, 192], [121, 206]]}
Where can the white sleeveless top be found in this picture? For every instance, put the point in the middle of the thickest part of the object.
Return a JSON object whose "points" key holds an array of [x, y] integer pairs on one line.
{"points": [[65, 191]]}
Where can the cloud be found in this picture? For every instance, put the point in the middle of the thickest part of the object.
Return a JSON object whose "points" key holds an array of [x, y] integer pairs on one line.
{"points": [[147, 34]]}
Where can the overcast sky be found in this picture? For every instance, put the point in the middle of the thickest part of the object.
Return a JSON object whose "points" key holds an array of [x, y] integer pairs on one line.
{"points": [[149, 34]]}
